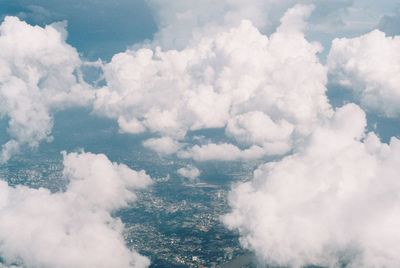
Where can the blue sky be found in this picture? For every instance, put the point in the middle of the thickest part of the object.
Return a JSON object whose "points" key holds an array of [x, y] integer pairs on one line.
{"points": [[96, 28], [102, 28]]}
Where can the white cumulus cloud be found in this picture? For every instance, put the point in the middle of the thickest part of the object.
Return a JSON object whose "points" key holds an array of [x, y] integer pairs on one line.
{"points": [[163, 145], [369, 66], [268, 92], [38, 75], [190, 172], [73, 228], [334, 201], [221, 152]]}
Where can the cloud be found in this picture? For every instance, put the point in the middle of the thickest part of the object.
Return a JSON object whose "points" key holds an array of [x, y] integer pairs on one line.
{"points": [[73, 228], [236, 79], [333, 202], [89, 27], [225, 73], [199, 67], [368, 66], [163, 145], [185, 22], [190, 172], [258, 128], [37, 77], [221, 152]]}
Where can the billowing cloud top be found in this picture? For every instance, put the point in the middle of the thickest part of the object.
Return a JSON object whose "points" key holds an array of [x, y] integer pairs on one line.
{"points": [[73, 228]]}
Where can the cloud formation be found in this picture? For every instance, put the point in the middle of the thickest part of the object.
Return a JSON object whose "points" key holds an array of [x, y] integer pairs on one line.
{"points": [[38, 75], [369, 66], [190, 172], [224, 73], [237, 79], [185, 22], [73, 228], [163, 145], [221, 152], [202, 46], [335, 201]]}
